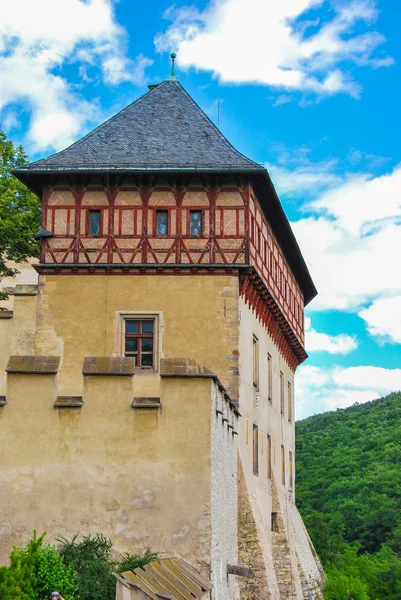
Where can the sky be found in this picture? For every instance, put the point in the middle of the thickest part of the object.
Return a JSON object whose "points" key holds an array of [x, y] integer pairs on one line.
{"points": [[309, 88]]}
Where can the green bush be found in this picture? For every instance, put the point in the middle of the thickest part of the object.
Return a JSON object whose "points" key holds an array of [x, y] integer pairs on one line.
{"points": [[53, 574], [17, 582], [91, 560], [35, 571], [129, 562]]}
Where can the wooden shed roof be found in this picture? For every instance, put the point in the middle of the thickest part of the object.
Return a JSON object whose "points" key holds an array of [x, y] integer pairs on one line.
{"points": [[170, 578]]}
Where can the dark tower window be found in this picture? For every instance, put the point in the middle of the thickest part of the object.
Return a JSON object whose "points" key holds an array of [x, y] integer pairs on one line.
{"points": [[94, 222], [161, 222], [139, 342], [195, 222], [255, 441]]}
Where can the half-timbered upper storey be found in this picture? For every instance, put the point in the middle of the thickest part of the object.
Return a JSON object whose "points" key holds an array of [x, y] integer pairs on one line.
{"points": [[159, 186]]}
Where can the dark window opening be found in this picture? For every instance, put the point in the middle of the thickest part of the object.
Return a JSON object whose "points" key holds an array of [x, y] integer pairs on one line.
{"points": [[195, 222], [269, 378], [255, 450], [139, 342], [274, 522], [256, 363], [161, 222], [94, 222], [269, 457]]}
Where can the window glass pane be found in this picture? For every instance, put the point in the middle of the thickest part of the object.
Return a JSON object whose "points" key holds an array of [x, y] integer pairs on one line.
{"points": [[147, 327], [131, 326], [131, 345], [195, 222], [147, 345], [147, 360], [94, 222], [161, 222]]}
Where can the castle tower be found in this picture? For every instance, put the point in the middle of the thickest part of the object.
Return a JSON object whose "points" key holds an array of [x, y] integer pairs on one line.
{"points": [[148, 380]]}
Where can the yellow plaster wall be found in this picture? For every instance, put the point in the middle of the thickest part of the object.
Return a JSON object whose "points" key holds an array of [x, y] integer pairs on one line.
{"points": [[17, 335], [140, 477], [77, 318]]}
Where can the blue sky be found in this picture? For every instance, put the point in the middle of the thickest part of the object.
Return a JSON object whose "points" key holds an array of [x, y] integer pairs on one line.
{"points": [[310, 88]]}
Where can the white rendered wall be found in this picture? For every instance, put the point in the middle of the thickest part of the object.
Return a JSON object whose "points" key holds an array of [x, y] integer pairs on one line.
{"points": [[224, 549], [255, 408]]}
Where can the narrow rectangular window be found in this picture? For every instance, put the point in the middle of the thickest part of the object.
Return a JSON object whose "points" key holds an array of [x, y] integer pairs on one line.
{"points": [[269, 378], [281, 393], [255, 362], [162, 222], [269, 456], [195, 222], [255, 450], [282, 465], [139, 337], [290, 466], [94, 222], [274, 522], [289, 402]]}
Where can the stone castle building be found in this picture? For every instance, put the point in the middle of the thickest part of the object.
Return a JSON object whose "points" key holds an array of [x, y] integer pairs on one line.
{"points": [[147, 380]]}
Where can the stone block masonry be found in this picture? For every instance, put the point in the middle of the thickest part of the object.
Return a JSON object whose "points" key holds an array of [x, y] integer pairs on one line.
{"points": [[249, 548]]}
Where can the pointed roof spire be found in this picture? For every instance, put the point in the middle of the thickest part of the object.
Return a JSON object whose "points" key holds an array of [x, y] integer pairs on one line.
{"points": [[164, 129], [172, 77]]}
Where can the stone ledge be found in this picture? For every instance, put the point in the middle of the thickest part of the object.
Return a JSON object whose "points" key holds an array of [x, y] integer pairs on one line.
{"points": [[184, 367], [33, 365], [146, 403], [6, 314], [109, 365], [69, 402], [25, 290], [3, 401]]}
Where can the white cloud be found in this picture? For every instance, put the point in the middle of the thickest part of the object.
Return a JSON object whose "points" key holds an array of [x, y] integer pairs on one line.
{"points": [[37, 39], [322, 342], [319, 390], [383, 319], [271, 43], [350, 241], [304, 179]]}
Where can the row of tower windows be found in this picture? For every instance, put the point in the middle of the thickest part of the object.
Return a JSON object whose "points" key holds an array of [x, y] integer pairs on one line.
{"points": [[269, 458], [256, 381], [161, 226]]}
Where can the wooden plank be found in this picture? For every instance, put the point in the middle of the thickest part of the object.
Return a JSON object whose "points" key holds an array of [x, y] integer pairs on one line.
{"points": [[189, 583], [135, 581], [165, 583], [192, 573], [180, 590], [148, 575]]}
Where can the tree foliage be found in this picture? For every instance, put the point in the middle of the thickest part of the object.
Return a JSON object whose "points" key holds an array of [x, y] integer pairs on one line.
{"points": [[349, 493], [79, 570], [35, 571], [19, 211], [91, 560]]}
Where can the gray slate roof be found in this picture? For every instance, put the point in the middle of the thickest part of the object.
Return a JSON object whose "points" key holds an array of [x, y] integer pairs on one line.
{"points": [[163, 130]]}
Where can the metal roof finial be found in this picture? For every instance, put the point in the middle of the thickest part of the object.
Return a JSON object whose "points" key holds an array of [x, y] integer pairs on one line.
{"points": [[172, 77]]}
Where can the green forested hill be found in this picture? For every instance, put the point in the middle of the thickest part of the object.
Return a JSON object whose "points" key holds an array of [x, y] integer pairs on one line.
{"points": [[349, 493]]}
